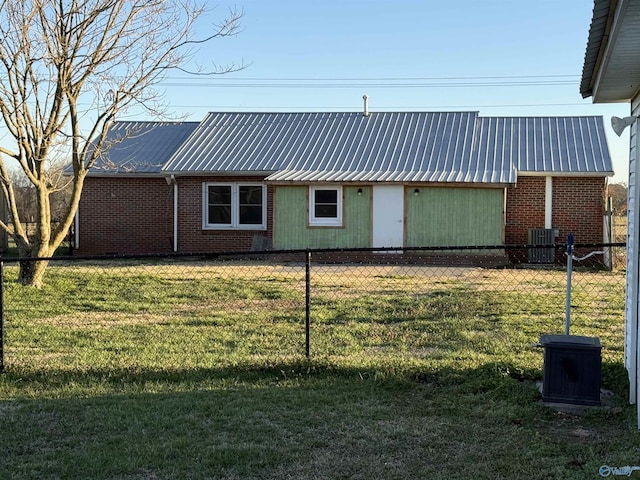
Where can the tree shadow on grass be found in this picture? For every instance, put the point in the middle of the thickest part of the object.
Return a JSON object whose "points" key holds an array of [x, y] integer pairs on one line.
{"points": [[291, 419], [275, 372]]}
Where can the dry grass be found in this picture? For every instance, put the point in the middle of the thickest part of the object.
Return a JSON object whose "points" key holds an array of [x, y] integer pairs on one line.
{"points": [[197, 371]]}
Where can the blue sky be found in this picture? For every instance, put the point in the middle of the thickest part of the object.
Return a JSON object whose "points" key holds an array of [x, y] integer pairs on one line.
{"points": [[497, 57]]}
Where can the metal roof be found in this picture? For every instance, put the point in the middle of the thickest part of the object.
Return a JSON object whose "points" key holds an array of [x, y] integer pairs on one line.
{"points": [[458, 147], [549, 145], [611, 71], [322, 147], [598, 32], [387, 147], [140, 147]]}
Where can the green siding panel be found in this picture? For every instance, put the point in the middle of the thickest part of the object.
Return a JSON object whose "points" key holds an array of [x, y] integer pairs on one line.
{"points": [[453, 217], [291, 229]]}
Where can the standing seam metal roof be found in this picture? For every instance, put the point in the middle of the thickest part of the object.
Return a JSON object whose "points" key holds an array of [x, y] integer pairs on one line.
{"points": [[333, 146], [559, 145], [392, 147], [140, 147]]}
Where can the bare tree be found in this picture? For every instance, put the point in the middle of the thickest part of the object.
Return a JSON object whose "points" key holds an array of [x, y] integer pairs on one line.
{"points": [[60, 187], [25, 194], [67, 67], [618, 194]]}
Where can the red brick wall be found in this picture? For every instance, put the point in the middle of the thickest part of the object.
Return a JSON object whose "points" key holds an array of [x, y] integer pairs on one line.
{"points": [[193, 239], [125, 216], [577, 208], [525, 209], [135, 216]]}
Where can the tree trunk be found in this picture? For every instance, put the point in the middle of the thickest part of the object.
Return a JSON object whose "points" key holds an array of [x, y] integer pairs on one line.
{"points": [[32, 272]]}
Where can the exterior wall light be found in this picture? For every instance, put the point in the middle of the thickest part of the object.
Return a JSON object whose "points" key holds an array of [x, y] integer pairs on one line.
{"points": [[619, 124], [359, 192], [416, 192]]}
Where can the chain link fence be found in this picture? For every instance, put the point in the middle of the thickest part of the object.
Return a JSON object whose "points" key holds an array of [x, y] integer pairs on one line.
{"points": [[352, 306]]}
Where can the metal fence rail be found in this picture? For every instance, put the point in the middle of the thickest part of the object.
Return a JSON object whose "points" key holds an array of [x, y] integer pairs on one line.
{"points": [[294, 304]]}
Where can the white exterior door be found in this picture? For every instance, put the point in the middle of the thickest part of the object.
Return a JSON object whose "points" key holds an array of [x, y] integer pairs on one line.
{"points": [[388, 216]]}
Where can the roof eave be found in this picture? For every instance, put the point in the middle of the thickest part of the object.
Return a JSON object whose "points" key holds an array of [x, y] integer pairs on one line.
{"points": [[126, 175], [388, 182], [598, 42], [566, 174], [610, 72], [217, 173]]}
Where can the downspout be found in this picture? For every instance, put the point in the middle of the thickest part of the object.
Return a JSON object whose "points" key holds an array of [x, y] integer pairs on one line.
{"points": [[548, 202], [172, 181], [504, 215], [76, 229]]}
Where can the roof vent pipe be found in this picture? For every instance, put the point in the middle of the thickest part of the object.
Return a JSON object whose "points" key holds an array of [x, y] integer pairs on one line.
{"points": [[366, 105]]}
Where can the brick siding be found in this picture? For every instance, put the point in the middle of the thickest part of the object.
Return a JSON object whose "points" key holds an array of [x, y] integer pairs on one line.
{"points": [[125, 216], [578, 207], [135, 215], [192, 238], [525, 209]]}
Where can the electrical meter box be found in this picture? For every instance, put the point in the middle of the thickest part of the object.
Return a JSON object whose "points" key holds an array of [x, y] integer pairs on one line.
{"points": [[572, 369]]}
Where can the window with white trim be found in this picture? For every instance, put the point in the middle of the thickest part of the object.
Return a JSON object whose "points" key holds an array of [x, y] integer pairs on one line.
{"points": [[325, 206], [234, 205]]}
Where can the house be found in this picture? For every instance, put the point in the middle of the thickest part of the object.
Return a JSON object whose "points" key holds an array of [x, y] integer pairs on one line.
{"points": [[126, 203], [345, 180], [611, 73]]}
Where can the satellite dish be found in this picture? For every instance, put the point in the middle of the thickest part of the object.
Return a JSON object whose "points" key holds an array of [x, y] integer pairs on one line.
{"points": [[619, 124]]}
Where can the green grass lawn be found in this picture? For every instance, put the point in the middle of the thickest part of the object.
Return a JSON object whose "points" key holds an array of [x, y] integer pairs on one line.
{"points": [[200, 373]]}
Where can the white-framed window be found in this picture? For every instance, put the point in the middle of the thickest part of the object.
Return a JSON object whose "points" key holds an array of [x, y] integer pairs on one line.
{"points": [[325, 206], [234, 205]]}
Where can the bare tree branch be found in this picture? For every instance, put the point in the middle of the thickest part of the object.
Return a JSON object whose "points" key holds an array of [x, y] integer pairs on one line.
{"points": [[57, 56]]}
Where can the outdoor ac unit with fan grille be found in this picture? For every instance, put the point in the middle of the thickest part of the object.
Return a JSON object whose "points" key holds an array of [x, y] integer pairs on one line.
{"points": [[542, 236]]}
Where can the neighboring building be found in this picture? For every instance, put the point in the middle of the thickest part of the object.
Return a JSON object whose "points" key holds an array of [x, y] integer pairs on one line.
{"points": [[611, 73], [241, 181]]}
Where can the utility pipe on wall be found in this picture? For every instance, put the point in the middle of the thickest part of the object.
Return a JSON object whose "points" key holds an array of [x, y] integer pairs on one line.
{"points": [[172, 181], [76, 229], [548, 202]]}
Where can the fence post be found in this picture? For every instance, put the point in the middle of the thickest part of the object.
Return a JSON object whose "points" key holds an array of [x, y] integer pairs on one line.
{"points": [[1, 316], [567, 318], [307, 319]]}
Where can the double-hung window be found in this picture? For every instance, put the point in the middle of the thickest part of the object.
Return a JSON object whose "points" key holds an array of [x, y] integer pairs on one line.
{"points": [[325, 206], [234, 205]]}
